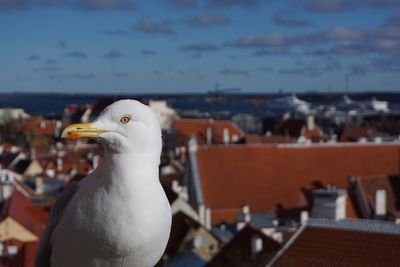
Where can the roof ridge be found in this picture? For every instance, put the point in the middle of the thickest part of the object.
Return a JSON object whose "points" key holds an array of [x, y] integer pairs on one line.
{"points": [[360, 225]]}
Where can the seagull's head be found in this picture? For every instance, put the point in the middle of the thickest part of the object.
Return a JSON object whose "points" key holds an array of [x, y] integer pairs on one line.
{"points": [[126, 126]]}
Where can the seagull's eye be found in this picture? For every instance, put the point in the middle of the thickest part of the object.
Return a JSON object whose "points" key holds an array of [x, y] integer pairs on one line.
{"points": [[125, 119]]}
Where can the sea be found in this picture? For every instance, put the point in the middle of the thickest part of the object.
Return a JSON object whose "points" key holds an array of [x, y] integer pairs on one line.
{"points": [[51, 105]]}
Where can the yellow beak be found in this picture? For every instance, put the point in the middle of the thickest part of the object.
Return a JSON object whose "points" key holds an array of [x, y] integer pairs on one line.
{"points": [[80, 130]]}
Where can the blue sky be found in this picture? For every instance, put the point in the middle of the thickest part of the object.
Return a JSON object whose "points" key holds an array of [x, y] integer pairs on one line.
{"points": [[124, 46]]}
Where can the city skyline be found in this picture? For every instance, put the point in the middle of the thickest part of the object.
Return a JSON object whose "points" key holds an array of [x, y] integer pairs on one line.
{"points": [[175, 46]]}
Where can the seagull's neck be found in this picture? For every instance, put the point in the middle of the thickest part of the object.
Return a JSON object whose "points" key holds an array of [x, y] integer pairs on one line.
{"points": [[129, 166]]}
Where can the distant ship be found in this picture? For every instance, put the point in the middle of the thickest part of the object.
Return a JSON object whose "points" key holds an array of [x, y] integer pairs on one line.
{"points": [[378, 105], [288, 104], [352, 106]]}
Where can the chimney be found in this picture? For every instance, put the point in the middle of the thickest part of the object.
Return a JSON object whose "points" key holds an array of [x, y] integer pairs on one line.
{"points": [[246, 213], [6, 191], [304, 216], [202, 214], [175, 186], [209, 136], [329, 203], [310, 122], [380, 203], [57, 129], [208, 219], [240, 226], [39, 186], [235, 138], [192, 145], [225, 136], [59, 164]]}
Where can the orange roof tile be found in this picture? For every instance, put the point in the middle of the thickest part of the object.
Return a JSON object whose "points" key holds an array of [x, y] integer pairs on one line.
{"points": [[268, 176], [353, 134], [359, 243], [268, 139], [184, 128]]}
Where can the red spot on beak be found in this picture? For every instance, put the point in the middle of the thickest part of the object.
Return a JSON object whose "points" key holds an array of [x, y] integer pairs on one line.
{"points": [[73, 136]]}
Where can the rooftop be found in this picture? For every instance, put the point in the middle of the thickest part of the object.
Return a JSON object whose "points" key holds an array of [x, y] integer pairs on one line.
{"points": [[273, 177], [342, 243]]}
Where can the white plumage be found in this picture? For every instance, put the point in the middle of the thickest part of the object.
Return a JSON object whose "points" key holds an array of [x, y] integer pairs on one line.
{"points": [[118, 215]]}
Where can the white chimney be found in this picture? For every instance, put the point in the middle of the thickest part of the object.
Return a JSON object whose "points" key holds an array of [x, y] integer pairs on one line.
{"points": [[240, 226], [256, 245], [225, 136], [208, 219], [39, 186], [176, 187], [303, 216], [59, 164], [202, 214], [6, 191], [209, 136], [380, 202], [310, 122], [192, 145], [246, 213], [235, 138]]}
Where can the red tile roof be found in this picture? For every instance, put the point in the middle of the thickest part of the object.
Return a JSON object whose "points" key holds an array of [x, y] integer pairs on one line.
{"points": [[268, 139], [37, 125], [185, 128], [314, 135], [353, 134], [268, 176], [329, 246], [28, 214]]}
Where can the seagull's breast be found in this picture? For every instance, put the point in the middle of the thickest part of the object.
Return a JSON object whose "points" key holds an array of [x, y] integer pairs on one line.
{"points": [[106, 223]]}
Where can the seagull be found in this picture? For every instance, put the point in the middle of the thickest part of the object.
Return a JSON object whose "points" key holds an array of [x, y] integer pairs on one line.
{"points": [[119, 214]]}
